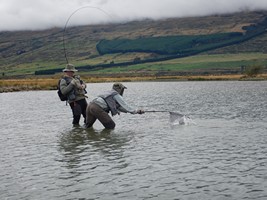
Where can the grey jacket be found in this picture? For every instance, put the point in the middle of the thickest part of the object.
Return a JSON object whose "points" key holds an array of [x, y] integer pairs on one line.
{"points": [[115, 101], [73, 89]]}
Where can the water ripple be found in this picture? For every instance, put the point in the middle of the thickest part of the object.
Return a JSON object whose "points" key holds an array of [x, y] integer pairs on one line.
{"points": [[221, 156]]}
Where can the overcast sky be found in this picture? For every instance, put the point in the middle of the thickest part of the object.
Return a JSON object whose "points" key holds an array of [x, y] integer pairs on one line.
{"points": [[43, 14]]}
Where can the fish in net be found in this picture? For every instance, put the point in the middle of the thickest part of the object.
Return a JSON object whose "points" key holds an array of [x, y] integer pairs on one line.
{"points": [[177, 118], [181, 119]]}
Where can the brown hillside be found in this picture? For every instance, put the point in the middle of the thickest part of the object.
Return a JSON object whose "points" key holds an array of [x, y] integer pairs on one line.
{"points": [[23, 52]]}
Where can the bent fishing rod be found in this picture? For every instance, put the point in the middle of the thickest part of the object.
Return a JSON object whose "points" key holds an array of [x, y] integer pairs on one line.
{"points": [[65, 27]]}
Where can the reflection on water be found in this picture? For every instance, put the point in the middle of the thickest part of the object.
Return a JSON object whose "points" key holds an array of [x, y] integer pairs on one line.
{"points": [[79, 145], [219, 153], [78, 140]]}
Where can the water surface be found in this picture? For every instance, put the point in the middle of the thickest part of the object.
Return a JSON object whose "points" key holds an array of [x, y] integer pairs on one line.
{"points": [[221, 155]]}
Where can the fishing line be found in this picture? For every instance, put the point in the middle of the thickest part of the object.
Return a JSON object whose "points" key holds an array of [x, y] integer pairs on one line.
{"points": [[66, 24]]}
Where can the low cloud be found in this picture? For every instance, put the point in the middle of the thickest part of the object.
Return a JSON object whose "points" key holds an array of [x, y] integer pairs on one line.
{"points": [[40, 14]]}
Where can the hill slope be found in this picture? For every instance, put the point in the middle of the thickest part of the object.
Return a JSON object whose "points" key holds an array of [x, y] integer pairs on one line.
{"points": [[27, 52]]}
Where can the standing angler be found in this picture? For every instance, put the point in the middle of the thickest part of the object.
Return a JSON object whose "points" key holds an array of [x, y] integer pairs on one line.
{"points": [[74, 88], [111, 101]]}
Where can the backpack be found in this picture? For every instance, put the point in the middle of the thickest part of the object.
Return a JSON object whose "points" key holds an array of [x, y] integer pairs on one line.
{"points": [[61, 96]]}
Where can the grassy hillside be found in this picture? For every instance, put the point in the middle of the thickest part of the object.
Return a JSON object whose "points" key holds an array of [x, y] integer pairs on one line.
{"points": [[25, 52]]}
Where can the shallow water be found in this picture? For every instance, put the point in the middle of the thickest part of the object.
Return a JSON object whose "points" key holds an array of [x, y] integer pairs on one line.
{"points": [[220, 154]]}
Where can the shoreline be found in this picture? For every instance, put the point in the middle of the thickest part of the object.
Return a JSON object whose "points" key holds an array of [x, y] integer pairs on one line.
{"points": [[44, 83]]}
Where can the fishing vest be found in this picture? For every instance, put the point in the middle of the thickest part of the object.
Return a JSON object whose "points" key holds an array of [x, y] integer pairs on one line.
{"points": [[110, 101]]}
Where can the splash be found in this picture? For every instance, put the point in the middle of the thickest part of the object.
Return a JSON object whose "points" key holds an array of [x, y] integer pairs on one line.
{"points": [[180, 119]]}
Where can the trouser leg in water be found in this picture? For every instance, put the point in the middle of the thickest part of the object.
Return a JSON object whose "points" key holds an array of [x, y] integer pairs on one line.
{"points": [[94, 112], [78, 108]]}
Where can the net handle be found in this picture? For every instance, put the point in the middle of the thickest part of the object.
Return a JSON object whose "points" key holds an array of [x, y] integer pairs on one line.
{"points": [[157, 111], [164, 111]]}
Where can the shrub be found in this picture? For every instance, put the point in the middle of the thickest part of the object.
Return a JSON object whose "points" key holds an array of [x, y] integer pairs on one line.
{"points": [[253, 71]]}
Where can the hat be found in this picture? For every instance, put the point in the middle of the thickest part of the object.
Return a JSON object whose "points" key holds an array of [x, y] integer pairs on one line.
{"points": [[118, 86], [69, 68]]}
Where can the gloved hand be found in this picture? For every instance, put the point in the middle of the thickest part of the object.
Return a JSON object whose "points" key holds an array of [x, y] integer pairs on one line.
{"points": [[140, 111], [73, 82], [77, 84]]}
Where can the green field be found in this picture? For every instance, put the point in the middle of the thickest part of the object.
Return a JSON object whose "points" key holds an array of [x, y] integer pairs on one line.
{"points": [[169, 45], [201, 62]]}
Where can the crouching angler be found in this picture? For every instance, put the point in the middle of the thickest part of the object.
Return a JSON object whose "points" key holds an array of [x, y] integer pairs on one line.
{"points": [[111, 101], [74, 88]]}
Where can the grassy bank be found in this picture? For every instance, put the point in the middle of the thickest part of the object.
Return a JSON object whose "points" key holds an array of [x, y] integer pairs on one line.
{"points": [[11, 85], [25, 84]]}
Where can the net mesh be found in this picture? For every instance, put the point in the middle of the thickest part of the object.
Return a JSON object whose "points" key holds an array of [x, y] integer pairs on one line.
{"points": [[181, 119]]}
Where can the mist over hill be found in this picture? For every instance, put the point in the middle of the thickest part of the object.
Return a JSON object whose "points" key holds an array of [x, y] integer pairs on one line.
{"points": [[25, 52], [40, 15]]}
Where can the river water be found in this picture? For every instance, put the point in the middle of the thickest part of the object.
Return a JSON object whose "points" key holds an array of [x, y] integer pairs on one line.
{"points": [[219, 154]]}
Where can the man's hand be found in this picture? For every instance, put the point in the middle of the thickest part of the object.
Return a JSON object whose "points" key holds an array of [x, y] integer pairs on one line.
{"points": [[77, 84], [73, 82], [140, 111]]}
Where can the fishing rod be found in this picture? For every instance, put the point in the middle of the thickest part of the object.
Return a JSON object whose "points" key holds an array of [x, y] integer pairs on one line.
{"points": [[65, 27]]}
